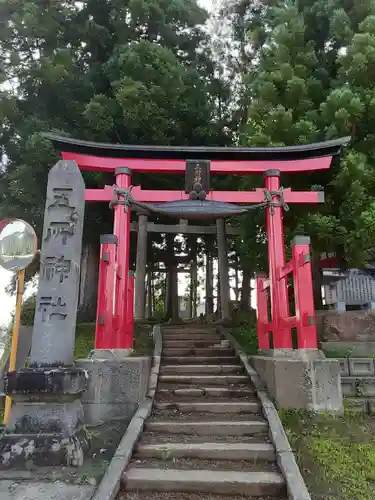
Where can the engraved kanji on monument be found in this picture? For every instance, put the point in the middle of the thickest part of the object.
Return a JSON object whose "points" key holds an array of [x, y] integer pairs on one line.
{"points": [[57, 299]]}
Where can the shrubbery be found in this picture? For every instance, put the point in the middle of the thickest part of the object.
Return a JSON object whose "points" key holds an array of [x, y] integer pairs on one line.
{"points": [[245, 331]]}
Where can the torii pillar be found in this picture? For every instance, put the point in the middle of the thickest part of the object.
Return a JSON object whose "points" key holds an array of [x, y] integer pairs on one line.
{"points": [[223, 271], [140, 271]]}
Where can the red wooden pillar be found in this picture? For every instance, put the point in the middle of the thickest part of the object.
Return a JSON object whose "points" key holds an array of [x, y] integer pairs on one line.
{"points": [[303, 293], [121, 228], [262, 312], [282, 338], [130, 305], [105, 335]]}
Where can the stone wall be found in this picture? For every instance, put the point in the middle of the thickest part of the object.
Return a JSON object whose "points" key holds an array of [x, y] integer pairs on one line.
{"points": [[348, 326], [115, 388], [358, 383]]}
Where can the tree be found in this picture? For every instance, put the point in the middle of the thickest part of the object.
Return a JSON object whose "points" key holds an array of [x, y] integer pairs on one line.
{"points": [[138, 71], [311, 78]]}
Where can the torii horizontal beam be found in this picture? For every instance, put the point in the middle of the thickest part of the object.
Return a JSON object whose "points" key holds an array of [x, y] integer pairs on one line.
{"points": [[184, 229], [238, 197]]}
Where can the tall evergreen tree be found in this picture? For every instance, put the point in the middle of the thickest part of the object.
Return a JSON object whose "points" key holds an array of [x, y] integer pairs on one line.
{"points": [[136, 71], [311, 78]]}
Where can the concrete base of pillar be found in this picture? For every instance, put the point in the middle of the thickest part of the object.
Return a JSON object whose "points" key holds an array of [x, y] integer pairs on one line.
{"points": [[116, 386], [302, 379], [110, 354], [46, 424]]}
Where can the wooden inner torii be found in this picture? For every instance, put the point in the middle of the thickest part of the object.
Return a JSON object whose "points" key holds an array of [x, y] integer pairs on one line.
{"points": [[116, 286]]}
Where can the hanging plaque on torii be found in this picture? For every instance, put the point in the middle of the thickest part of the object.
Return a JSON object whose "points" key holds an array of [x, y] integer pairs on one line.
{"points": [[197, 179]]}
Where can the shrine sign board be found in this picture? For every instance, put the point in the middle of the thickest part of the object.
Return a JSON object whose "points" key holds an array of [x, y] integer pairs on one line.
{"points": [[197, 172]]}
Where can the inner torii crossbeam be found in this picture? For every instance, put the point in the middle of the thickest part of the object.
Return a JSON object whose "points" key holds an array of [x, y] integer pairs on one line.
{"points": [[115, 331]]}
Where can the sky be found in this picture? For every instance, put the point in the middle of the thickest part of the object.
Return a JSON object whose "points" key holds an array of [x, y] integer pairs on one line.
{"points": [[207, 4]]}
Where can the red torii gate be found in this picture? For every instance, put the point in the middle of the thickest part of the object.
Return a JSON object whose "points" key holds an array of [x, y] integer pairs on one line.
{"points": [[115, 302]]}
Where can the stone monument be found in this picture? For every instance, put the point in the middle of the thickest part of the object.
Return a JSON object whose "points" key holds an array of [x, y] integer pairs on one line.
{"points": [[46, 423]]}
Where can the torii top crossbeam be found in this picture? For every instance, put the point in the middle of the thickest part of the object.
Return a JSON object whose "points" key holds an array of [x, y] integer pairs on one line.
{"points": [[172, 159]]}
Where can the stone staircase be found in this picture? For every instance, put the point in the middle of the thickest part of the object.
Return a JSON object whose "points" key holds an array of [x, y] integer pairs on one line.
{"points": [[206, 437]]}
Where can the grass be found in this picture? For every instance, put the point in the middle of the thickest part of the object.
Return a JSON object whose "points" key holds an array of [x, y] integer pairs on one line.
{"points": [[336, 454], [85, 335], [246, 333]]}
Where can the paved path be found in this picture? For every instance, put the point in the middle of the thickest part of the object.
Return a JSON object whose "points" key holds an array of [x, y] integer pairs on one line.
{"points": [[206, 436]]}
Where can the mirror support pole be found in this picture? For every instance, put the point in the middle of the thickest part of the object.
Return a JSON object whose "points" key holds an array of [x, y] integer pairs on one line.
{"points": [[15, 334]]}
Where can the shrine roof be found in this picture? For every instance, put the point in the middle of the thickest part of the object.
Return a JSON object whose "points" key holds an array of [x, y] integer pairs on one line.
{"points": [[285, 153]]}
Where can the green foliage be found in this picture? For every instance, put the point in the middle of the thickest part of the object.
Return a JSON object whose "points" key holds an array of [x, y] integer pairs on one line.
{"points": [[85, 338], [131, 72], [246, 332], [28, 311], [309, 76], [335, 453], [159, 313]]}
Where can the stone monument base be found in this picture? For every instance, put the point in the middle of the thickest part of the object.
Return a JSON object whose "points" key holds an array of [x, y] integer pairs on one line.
{"points": [[46, 424], [53, 449], [116, 385], [302, 379]]}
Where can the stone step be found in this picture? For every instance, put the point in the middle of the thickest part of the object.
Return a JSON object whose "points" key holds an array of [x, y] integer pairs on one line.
{"points": [[184, 496], [210, 406], [206, 360], [189, 330], [209, 428], [196, 351], [205, 379], [164, 438], [207, 391], [192, 336], [254, 484], [198, 369], [182, 344], [209, 451]]}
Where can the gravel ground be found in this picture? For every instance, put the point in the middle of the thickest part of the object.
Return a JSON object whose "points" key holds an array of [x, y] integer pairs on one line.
{"points": [[200, 464], [153, 438], [199, 416], [186, 496]]}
